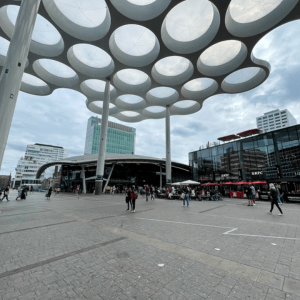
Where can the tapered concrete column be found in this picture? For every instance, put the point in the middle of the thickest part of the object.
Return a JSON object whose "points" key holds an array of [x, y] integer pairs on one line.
{"points": [[83, 180], [108, 179], [168, 147], [12, 72], [103, 136], [160, 177]]}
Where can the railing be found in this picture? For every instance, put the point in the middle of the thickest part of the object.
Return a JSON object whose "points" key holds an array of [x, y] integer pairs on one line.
{"points": [[209, 145]]}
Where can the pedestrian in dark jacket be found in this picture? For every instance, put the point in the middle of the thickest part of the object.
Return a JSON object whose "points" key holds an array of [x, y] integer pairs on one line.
{"points": [[49, 193], [6, 192], [128, 198], [23, 194], [274, 199]]}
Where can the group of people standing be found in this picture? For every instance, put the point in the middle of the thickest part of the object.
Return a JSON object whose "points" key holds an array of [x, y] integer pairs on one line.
{"points": [[130, 198]]}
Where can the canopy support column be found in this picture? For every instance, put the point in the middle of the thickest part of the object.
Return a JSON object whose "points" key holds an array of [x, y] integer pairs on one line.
{"points": [[83, 181], [12, 72], [103, 136], [160, 177], [108, 179], [168, 147]]}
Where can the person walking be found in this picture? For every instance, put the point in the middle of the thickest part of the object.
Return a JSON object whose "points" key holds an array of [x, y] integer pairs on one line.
{"points": [[20, 189], [5, 194], [23, 195], [19, 192], [58, 190], [249, 196], [31, 190], [147, 192], [25, 188], [278, 194], [274, 199], [77, 190], [113, 189], [152, 191], [128, 198], [186, 198], [253, 193], [134, 196], [49, 193]]}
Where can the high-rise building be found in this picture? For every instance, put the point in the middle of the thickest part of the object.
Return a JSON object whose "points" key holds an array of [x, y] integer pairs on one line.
{"points": [[275, 119], [35, 156], [120, 138]]}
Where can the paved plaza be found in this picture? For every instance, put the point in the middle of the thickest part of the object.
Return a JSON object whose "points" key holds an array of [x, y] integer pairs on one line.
{"points": [[91, 248]]}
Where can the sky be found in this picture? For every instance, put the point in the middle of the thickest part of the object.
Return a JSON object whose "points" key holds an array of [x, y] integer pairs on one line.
{"points": [[61, 118]]}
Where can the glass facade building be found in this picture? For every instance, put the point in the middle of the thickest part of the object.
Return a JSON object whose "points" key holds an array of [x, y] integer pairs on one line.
{"points": [[272, 156], [120, 138]]}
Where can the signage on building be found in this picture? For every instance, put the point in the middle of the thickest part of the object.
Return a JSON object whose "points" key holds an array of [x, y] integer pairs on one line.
{"points": [[253, 173], [225, 175]]}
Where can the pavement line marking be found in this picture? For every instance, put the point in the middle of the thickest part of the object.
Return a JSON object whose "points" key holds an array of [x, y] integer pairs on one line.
{"points": [[227, 232], [18, 230], [211, 209], [215, 226], [262, 236], [56, 258], [244, 219], [255, 274], [195, 224]]}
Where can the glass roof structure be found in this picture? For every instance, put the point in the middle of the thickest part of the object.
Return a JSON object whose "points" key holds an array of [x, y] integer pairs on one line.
{"points": [[157, 53]]}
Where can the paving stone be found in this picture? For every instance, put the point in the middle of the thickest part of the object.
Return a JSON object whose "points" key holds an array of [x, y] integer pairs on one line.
{"points": [[63, 261]]}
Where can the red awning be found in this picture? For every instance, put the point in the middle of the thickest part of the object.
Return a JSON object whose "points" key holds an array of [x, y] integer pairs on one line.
{"points": [[227, 183], [249, 132], [229, 138], [210, 183], [259, 182], [241, 183]]}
